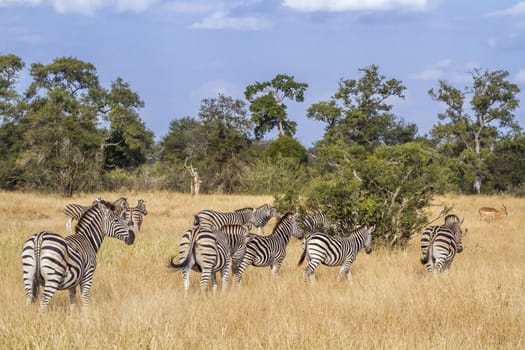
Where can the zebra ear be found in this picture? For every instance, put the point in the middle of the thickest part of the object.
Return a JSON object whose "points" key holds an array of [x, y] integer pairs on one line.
{"points": [[371, 229]]}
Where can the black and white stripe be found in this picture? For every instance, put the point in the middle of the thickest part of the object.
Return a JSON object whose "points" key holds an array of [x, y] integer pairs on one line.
{"points": [[439, 244], [269, 250], [262, 215], [135, 215], [320, 248], [210, 251], [74, 211], [55, 262], [315, 220], [216, 219]]}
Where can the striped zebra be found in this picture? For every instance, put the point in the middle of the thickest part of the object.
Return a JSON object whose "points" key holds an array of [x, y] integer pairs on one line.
{"points": [[262, 215], [210, 251], [216, 219], [439, 244], [320, 248], [269, 250], [55, 262], [315, 220], [74, 211], [135, 214]]}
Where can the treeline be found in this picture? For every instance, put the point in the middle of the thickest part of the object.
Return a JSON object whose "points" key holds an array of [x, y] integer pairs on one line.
{"points": [[67, 133]]}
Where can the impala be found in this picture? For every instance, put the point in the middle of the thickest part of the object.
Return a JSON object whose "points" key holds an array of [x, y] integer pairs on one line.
{"points": [[492, 213]]}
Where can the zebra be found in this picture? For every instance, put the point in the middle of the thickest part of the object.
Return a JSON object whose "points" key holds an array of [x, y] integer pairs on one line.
{"points": [[135, 214], [321, 248], [262, 215], [58, 263], [439, 244], [210, 251], [315, 220], [216, 219], [74, 211], [269, 250]]}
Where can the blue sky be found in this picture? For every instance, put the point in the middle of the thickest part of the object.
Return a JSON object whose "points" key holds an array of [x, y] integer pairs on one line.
{"points": [[175, 53]]}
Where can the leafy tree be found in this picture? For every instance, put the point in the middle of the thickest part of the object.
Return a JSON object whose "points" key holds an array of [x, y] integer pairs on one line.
{"points": [[358, 113], [267, 107], [286, 147], [471, 138], [128, 140], [63, 141], [11, 109], [228, 139]]}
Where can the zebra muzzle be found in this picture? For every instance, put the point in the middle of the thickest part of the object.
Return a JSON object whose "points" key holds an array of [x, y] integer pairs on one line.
{"points": [[131, 237]]}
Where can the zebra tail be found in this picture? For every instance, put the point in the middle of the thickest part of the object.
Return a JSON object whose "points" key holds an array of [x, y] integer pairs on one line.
{"points": [[303, 255], [424, 259], [179, 266]]}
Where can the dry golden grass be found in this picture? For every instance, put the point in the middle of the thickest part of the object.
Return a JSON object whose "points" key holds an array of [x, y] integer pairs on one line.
{"points": [[137, 302]]}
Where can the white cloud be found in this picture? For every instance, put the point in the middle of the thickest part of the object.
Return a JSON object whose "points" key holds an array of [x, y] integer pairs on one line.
{"points": [[85, 7], [516, 10], [221, 20], [354, 5], [520, 76], [191, 7], [446, 70]]}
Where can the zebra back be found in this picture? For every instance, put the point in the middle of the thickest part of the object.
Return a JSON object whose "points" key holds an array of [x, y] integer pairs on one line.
{"points": [[315, 220], [269, 250], [215, 219]]}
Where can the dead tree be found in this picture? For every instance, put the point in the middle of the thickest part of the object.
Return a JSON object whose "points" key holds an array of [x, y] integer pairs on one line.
{"points": [[195, 178]]}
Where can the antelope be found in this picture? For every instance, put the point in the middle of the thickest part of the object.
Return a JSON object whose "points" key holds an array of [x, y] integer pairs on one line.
{"points": [[492, 213]]}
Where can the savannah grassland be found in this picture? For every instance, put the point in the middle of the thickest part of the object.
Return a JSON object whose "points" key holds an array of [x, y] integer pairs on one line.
{"points": [[137, 302]]}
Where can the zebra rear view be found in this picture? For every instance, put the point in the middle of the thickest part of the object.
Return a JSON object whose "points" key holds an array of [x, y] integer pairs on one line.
{"points": [[320, 248], [439, 244], [57, 263]]}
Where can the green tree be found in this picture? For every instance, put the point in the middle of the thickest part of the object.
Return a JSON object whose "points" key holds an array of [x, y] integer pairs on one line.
{"points": [[11, 110], [471, 138], [358, 113], [128, 140], [267, 104], [63, 140], [228, 133]]}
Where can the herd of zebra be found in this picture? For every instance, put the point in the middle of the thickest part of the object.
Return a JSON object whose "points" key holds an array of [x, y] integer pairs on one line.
{"points": [[216, 241]]}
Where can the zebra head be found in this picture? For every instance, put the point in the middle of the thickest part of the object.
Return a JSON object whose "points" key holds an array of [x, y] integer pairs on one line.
{"points": [[368, 237], [454, 224], [263, 214], [293, 224], [141, 205], [114, 225]]}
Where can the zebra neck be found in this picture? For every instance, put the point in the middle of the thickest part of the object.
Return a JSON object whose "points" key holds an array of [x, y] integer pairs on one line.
{"points": [[92, 234]]}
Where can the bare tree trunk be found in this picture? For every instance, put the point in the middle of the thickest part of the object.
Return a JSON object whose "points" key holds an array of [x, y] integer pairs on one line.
{"points": [[195, 179]]}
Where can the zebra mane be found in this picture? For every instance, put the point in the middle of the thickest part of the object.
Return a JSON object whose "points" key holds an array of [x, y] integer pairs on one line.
{"points": [[283, 217], [242, 209], [107, 204]]}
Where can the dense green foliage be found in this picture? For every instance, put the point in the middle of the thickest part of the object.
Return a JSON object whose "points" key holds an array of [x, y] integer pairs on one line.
{"points": [[66, 133]]}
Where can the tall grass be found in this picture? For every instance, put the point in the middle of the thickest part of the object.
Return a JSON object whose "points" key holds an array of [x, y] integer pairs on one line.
{"points": [[137, 302]]}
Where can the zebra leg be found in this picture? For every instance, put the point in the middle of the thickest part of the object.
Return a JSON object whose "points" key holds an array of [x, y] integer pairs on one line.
{"points": [[68, 225], [85, 289], [186, 279], [214, 282], [47, 294], [276, 266], [225, 277], [309, 271], [72, 298], [345, 270], [30, 283], [205, 277], [237, 275]]}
